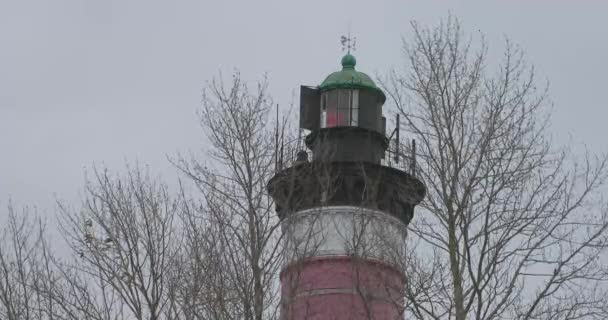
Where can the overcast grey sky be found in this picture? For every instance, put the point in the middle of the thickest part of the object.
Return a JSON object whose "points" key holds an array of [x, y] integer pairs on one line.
{"points": [[104, 81]]}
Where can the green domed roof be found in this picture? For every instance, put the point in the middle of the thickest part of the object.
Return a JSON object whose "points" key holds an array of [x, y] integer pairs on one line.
{"points": [[348, 77]]}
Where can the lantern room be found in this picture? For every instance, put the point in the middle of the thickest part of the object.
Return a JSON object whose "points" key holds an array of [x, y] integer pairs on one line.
{"points": [[344, 115]]}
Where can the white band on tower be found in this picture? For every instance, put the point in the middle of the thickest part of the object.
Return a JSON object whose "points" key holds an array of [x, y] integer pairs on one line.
{"points": [[344, 231]]}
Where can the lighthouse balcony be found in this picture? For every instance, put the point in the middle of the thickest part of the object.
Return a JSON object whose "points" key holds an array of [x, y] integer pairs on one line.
{"points": [[346, 183]]}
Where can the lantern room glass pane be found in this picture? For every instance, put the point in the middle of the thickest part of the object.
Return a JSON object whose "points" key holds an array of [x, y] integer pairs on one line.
{"points": [[344, 102], [354, 119], [331, 106], [343, 116], [323, 121], [339, 108]]}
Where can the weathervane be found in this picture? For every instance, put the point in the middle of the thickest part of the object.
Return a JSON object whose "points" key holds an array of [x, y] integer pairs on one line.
{"points": [[348, 43]]}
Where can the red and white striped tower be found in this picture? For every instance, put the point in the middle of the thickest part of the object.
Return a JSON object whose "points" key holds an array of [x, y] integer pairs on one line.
{"points": [[344, 213]]}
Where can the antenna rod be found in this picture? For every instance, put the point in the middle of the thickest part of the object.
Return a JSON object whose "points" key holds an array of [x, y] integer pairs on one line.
{"points": [[397, 140], [282, 144], [276, 142], [413, 164]]}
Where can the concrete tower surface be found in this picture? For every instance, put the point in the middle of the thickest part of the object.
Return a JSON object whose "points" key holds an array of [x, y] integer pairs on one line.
{"points": [[345, 211]]}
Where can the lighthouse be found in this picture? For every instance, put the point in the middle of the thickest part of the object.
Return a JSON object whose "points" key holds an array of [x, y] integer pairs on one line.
{"points": [[345, 202]]}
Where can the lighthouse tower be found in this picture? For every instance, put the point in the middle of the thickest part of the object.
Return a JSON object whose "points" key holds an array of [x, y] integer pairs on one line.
{"points": [[343, 209]]}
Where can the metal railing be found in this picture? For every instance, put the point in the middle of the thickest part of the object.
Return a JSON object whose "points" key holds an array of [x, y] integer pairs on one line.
{"points": [[400, 156]]}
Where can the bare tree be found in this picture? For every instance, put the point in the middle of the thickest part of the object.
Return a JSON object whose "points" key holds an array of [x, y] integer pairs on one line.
{"points": [[31, 284], [20, 257], [513, 227], [234, 233], [126, 244]]}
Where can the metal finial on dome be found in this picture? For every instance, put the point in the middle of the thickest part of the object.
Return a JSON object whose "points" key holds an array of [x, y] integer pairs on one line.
{"points": [[348, 43]]}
